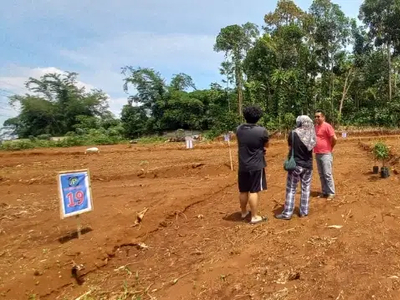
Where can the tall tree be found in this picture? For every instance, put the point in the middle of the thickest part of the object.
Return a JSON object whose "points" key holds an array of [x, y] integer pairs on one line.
{"points": [[182, 82], [235, 41], [330, 35], [53, 104], [286, 13], [382, 19], [227, 70], [134, 120]]}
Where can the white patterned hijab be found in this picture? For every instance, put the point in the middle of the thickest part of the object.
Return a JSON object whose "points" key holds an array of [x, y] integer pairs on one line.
{"points": [[306, 131]]}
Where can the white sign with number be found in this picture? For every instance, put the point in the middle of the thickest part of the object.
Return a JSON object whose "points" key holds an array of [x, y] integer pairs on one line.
{"points": [[75, 193], [189, 142]]}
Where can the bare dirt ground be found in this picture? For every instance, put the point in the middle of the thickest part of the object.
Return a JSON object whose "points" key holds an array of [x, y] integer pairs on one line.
{"points": [[197, 246]]}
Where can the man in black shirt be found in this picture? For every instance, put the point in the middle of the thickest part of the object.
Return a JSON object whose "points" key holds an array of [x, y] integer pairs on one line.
{"points": [[252, 142]]}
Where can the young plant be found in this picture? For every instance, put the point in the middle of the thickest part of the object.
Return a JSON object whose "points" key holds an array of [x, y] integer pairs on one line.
{"points": [[381, 152]]}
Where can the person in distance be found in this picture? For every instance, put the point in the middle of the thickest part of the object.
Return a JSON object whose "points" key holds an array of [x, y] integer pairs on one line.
{"points": [[301, 142], [252, 143]]}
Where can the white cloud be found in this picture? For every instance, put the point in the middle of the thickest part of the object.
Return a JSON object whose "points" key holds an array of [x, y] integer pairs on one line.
{"points": [[173, 52], [18, 76], [83, 36], [116, 105], [167, 53]]}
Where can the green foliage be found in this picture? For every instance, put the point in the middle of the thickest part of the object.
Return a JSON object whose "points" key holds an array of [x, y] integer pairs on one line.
{"points": [[17, 145], [93, 138], [288, 122], [235, 41], [381, 152], [212, 134], [151, 140], [134, 120], [382, 19], [44, 137], [56, 105], [170, 107], [301, 62]]}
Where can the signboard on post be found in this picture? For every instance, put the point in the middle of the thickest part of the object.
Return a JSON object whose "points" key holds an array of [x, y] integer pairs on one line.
{"points": [[75, 193], [189, 142], [227, 138]]}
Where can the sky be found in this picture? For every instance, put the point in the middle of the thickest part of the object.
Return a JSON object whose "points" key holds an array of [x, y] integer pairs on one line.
{"points": [[97, 38]]}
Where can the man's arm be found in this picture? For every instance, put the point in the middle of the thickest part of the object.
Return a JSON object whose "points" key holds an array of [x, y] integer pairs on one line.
{"points": [[333, 136], [289, 140], [266, 141], [333, 141]]}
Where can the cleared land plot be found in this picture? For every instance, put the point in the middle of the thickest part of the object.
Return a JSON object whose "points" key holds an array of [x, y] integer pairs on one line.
{"points": [[198, 248]]}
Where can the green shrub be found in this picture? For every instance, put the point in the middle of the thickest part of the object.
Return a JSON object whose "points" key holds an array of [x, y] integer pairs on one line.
{"points": [[44, 137], [212, 134], [151, 140], [17, 145], [381, 152], [116, 130], [104, 140], [72, 133], [71, 141], [44, 143]]}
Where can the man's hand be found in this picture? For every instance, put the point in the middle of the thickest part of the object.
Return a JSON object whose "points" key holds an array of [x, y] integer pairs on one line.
{"points": [[266, 145], [333, 141]]}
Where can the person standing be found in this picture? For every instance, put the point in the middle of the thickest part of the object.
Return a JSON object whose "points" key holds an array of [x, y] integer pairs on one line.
{"points": [[326, 141], [302, 141], [252, 143]]}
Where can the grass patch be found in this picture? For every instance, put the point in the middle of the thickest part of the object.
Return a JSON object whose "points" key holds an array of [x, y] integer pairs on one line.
{"points": [[70, 141], [151, 140]]}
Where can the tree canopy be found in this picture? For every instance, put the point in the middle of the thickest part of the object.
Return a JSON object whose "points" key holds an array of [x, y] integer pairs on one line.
{"points": [[298, 61]]}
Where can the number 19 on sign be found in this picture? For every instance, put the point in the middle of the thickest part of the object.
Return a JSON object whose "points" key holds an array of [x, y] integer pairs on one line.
{"points": [[75, 193], [75, 199]]}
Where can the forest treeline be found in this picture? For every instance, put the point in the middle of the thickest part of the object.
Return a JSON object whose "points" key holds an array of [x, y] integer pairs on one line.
{"points": [[296, 62]]}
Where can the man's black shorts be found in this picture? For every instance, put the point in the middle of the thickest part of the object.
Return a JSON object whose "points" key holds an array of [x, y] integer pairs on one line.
{"points": [[252, 181]]}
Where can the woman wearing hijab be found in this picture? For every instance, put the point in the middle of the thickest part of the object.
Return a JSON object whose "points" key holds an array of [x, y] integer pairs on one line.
{"points": [[304, 140]]}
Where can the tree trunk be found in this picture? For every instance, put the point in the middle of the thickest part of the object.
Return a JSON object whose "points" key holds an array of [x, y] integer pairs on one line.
{"points": [[332, 88], [239, 86], [239, 82], [390, 71], [227, 93], [346, 87]]}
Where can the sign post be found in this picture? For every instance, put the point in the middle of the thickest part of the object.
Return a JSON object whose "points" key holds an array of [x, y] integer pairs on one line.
{"points": [[189, 142], [227, 138], [75, 194]]}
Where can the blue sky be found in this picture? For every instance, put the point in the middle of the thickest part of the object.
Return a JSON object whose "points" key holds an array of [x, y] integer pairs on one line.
{"points": [[97, 38]]}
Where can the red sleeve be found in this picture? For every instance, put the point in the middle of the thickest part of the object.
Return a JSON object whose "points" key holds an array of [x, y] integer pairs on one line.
{"points": [[329, 130]]}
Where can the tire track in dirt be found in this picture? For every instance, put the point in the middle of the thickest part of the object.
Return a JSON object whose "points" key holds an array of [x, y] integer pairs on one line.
{"points": [[132, 244], [224, 258], [176, 171], [97, 258], [221, 257]]}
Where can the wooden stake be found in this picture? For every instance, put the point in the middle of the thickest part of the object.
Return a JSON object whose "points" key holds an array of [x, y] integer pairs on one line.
{"points": [[78, 221], [230, 154]]}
